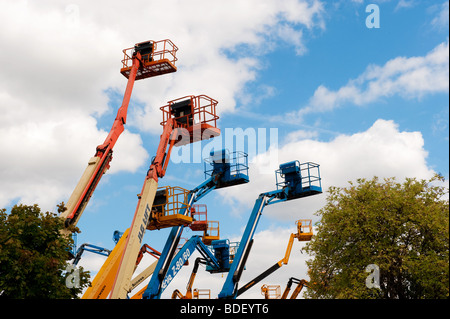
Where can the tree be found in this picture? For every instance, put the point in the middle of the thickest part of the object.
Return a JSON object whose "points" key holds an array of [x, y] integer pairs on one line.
{"points": [[401, 228], [34, 255]]}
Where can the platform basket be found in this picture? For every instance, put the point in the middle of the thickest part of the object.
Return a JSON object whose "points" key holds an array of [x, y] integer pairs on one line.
{"points": [[304, 229], [168, 207], [195, 118], [232, 166], [199, 214], [305, 176], [211, 233], [157, 58]]}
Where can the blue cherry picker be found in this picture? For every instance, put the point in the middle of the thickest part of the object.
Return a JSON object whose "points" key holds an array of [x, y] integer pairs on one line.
{"points": [[91, 248], [296, 181], [224, 169]]}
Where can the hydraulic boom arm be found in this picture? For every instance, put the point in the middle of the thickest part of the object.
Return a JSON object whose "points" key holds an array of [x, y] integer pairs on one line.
{"points": [[195, 242], [157, 169], [270, 270], [99, 164], [142, 61], [300, 283], [92, 248], [188, 294], [229, 289]]}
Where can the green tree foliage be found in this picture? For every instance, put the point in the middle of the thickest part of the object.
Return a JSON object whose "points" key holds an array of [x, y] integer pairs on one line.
{"points": [[402, 228], [34, 255]]}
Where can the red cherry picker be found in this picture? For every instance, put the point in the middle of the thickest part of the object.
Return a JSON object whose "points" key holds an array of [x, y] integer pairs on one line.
{"points": [[185, 120], [144, 60]]}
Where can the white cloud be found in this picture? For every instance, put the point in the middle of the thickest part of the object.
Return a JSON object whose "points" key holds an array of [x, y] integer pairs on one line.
{"points": [[129, 153], [92, 262], [440, 22], [404, 4], [42, 160], [52, 86], [300, 134], [220, 48], [381, 151], [410, 78]]}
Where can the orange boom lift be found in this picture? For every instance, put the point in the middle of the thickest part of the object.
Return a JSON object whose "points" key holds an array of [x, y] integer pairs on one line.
{"points": [[144, 60], [185, 120]]}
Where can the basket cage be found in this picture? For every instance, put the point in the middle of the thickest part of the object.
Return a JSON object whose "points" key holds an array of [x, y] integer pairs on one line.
{"points": [[225, 162], [170, 200], [306, 174], [202, 293], [304, 226], [199, 213], [151, 51], [190, 111], [271, 291], [212, 229]]}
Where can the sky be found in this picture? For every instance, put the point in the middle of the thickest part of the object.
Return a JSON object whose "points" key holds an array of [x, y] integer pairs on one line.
{"points": [[363, 92]]}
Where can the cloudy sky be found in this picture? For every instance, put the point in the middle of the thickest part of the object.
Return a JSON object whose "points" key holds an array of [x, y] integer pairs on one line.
{"points": [[302, 80]]}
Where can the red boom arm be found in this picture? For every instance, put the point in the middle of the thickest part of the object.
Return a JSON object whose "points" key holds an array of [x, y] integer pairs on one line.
{"points": [[104, 151]]}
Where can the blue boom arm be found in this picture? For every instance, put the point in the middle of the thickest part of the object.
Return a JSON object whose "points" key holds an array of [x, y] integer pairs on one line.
{"points": [[93, 249], [229, 289], [195, 242], [298, 180]]}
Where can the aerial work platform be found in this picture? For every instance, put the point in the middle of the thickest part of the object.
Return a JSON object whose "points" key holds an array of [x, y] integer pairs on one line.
{"points": [[299, 180], [167, 204], [271, 291], [199, 214], [162, 271], [304, 229], [156, 57], [233, 167], [211, 232], [185, 120], [145, 59], [195, 118]]}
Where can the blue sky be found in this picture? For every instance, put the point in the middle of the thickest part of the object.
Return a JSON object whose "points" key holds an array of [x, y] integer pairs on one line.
{"points": [[359, 101]]}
